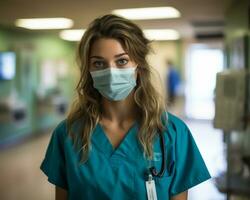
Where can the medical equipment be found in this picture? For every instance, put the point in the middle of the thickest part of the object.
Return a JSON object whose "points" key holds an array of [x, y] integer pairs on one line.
{"points": [[150, 184], [231, 100], [152, 169]]}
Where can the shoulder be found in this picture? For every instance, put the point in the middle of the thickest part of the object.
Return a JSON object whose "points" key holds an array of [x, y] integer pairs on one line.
{"points": [[65, 130], [61, 126], [60, 131], [175, 122], [177, 129]]}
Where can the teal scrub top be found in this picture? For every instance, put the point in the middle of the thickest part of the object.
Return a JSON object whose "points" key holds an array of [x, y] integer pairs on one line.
{"points": [[111, 174]]}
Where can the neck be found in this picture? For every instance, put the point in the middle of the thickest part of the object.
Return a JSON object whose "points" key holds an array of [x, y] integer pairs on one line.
{"points": [[119, 111]]}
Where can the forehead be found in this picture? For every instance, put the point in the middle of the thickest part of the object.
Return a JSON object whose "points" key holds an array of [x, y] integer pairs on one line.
{"points": [[106, 47]]}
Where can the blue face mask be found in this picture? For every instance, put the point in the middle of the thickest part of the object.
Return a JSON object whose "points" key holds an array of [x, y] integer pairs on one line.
{"points": [[113, 83]]}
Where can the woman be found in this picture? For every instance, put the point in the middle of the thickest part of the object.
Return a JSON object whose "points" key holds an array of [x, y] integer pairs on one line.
{"points": [[118, 142]]}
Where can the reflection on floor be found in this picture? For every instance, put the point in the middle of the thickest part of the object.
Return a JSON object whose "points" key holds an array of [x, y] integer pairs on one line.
{"points": [[21, 178]]}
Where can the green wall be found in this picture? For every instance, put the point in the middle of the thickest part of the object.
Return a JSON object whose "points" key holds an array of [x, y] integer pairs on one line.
{"points": [[32, 50]]}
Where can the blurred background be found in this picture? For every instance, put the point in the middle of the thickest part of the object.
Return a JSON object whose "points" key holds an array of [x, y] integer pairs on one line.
{"points": [[201, 54]]}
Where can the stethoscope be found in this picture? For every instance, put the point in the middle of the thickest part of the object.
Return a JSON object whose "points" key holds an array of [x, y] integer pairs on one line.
{"points": [[152, 169], [150, 183]]}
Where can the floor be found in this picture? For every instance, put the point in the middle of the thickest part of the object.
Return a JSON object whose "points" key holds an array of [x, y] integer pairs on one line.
{"points": [[21, 178]]}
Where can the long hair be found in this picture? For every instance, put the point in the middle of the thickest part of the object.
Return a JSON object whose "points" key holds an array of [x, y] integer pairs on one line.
{"points": [[86, 109]]}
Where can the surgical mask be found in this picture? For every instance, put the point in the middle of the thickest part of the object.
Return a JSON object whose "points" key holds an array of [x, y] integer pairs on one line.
{"points": [[113, 83]]}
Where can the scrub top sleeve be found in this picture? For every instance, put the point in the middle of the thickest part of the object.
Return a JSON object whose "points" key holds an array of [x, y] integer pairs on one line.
{"points": [[53, 164], [190, 169]]}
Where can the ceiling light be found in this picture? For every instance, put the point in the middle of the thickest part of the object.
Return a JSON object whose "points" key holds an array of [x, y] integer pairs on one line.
{"points": [[148, 13], [72, 35], [44, 23], [161, 34]]}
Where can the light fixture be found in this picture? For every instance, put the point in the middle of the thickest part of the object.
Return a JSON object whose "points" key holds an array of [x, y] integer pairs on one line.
{"points": [[72, 35], [44, 23], [148, 13], [161, 34]]}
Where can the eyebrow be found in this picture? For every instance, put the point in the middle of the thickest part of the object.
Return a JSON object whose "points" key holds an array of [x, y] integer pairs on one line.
{"points": [[116, 56]]}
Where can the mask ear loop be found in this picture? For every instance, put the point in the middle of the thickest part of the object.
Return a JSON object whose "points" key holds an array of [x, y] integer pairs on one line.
{"points": [[137, 73]]}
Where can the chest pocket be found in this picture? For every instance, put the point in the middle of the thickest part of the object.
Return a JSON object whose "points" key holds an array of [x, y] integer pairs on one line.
{"points": [[163, 183], [158, 161]]}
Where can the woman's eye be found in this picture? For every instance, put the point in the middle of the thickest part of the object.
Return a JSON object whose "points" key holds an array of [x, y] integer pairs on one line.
{"points": [[122, 61], [98, 64]]}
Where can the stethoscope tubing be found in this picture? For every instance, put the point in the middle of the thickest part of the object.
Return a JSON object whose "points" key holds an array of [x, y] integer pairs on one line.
{"points": [[152, 169]]}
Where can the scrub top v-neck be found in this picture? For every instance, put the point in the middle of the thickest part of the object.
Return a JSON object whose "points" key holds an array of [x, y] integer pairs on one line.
{"points": [[120, 173], [126, 148]]}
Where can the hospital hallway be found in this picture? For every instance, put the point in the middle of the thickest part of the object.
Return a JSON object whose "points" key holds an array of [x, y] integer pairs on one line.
{"points": [[21, 178], [63, 58]]}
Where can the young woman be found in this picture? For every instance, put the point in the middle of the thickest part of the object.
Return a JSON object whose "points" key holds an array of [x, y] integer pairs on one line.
{"points": [[118, 141]]}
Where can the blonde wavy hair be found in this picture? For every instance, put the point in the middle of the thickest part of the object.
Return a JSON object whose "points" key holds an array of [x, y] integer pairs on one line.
{"points": [[85, 111]]}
